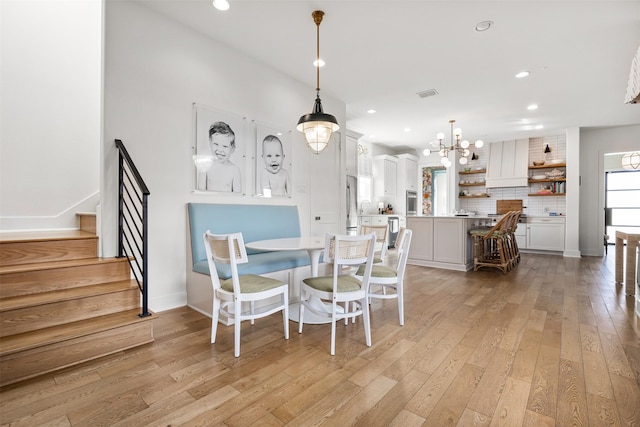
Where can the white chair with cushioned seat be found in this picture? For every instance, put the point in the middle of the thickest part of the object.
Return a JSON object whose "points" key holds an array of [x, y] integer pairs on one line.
{"points": [[229, 294], [341, 288], [385, 277], [381, 232]]}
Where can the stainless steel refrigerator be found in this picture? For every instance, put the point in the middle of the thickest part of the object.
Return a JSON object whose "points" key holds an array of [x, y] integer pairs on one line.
{"points": [[352, 205]]}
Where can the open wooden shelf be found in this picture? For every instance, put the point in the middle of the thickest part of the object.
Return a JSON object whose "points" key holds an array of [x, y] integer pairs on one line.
{"points": [[546, 195], [548, 166], [471, 172], [472, 196], [562, 179], [472, 184]]}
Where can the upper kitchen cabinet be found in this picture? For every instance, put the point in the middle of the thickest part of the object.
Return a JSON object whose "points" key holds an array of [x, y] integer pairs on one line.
{"points": [[507, 164], [385, 176], [407, 173], [351, 161]]}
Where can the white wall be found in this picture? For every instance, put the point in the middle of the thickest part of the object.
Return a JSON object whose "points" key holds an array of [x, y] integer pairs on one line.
{"points": [[154, 70], [50, 111], [594, 144]]}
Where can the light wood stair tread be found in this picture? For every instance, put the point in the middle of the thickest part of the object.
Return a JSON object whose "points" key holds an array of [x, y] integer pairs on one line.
{"points": [[39, 236], [22, 301], [6, 269], [38, 338]]}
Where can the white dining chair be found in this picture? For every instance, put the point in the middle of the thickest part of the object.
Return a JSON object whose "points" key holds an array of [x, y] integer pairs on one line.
{"points": [[340, 287], [229, 294], [381, 232], [390, 278]]}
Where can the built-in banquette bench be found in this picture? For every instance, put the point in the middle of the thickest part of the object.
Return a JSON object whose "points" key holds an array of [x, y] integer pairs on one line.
{"points": [[256, 222]]}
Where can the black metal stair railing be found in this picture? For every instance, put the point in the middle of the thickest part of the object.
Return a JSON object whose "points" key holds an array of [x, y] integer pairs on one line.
{"points": [[133, 222]]}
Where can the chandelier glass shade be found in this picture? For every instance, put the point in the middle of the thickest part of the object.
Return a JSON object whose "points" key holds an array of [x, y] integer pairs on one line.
{"points": [[631, 161], [457, 145], [317, 126]]}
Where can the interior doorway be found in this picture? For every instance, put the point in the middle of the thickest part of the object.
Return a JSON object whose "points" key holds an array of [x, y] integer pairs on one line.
{"points": [[622, 199]]}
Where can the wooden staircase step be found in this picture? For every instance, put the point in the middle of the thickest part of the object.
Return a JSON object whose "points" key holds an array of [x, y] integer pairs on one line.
{"points": [[27, 355], [87, 221], [29, 312], [25, 279], [43, 246]]}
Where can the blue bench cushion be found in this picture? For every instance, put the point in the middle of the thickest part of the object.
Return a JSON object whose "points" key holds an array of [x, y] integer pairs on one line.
{"points": [[265, 262], [256, 222]]}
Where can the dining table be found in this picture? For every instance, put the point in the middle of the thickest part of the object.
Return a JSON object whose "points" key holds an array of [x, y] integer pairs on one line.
{"points": [[626, 267], [314, 245]]}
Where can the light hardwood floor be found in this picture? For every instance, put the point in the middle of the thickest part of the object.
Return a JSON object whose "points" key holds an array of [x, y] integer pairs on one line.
{"points": [[554, 342]]}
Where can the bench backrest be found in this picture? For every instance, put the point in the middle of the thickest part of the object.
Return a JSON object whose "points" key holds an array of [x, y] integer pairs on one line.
{"points": [[256, 222]]}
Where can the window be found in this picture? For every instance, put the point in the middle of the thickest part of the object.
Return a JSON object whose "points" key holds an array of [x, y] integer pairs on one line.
{"points": [[622, 202]]}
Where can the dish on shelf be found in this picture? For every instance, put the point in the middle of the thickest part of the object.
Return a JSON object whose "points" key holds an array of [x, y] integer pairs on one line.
{"points": [[556, 173], [538, 162], [539, 177], [556, 161], [544, 191]]}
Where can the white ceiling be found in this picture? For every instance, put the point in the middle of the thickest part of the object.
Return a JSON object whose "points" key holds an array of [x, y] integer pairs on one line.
{"points": [[380, 54]]}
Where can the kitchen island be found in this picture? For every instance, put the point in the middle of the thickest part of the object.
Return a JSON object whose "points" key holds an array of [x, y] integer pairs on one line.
{"points": [[443, 241]]}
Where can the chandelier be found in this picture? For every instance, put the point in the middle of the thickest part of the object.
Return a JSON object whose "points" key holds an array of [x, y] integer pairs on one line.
{"points": [[317, 126], [631, 161], [461, 147]]}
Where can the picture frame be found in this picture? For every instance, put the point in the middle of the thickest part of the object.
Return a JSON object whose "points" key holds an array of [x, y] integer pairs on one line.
{"points": [[219, 151], [273, 165]]}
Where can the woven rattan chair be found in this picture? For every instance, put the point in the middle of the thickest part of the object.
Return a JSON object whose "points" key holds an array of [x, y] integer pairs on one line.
{"points": [[340, 287], [490, 245], [229, 294], [381, 232], [391, 278]]}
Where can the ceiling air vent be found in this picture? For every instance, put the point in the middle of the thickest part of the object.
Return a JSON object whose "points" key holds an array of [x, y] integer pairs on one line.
{"points": [[427, 93]]}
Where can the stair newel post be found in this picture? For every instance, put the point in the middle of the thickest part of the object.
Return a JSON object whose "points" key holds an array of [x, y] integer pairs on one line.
{"points": [[145, 271], [120, 200]]}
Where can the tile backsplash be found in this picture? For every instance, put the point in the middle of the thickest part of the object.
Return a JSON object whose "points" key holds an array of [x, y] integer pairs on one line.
{"points": [[533, 205]]}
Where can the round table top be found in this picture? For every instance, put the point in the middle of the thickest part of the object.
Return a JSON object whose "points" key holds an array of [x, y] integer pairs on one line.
{"points": [[288, 244]]}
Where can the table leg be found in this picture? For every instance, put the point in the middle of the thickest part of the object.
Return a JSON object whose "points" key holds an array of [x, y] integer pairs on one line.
{"points": [[314, 257], [630, 276], [619, 259]]}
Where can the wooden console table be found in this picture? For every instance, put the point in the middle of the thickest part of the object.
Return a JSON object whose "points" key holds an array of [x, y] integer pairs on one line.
{"points": [[629, 263]]}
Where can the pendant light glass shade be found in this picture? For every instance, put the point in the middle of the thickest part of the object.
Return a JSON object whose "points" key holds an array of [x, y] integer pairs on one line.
{"points": [[317, 126]]}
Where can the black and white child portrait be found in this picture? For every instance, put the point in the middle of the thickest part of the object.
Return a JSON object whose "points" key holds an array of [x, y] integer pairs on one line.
{"points": [[273, 163], [219, 159]]}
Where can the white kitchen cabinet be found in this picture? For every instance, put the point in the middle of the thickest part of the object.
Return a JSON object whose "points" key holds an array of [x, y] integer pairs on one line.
{"points": [[352, 154], [545, 234], [422, 241], [441, 242], [521, 236], [407, 173], [385, 176], [373, 220]]}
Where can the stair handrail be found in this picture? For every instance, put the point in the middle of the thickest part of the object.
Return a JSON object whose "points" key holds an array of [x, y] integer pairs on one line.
{"points": [[139, 236]]}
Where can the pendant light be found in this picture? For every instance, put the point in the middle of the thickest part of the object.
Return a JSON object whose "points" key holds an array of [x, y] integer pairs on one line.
{"points": [[317, 126]]}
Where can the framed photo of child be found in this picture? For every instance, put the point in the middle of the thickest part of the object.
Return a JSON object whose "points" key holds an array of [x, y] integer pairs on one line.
{"points": [[219, 159], [273, 162]]}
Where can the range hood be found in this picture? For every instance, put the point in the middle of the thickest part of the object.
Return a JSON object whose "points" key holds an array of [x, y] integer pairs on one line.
{"points": [[508, 164]]}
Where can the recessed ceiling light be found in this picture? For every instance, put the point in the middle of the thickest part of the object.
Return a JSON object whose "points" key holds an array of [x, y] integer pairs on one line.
{"points": [[483, 26], [372, 136], [539, 127], [371, 111], [532, 107], [522, 74], [221, 4], [318, 63], [407, 129]]}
